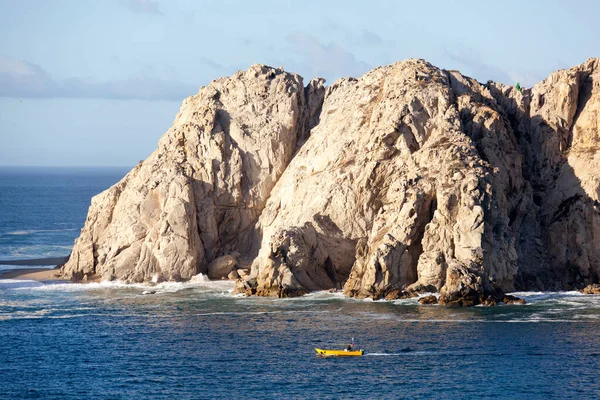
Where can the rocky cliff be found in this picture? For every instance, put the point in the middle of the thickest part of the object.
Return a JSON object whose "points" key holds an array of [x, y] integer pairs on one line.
{"points": [[408, 179]]}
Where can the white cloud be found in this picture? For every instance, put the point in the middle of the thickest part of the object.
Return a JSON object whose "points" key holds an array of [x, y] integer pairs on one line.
{"points": [[212, 63], [371, 38], [526, 79], [22, 79], [472, 64], [143, 7], [324, 60]]}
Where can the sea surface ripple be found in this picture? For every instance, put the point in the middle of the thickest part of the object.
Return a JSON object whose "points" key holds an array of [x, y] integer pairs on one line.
{"points": [[198, 340]]}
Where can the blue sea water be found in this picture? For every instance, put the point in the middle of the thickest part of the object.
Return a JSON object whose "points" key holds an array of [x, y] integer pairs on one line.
{"points": [[42, 209], [197, 340]]}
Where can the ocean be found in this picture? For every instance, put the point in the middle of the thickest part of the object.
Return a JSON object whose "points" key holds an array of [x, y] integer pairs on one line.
{"points": [[196, 340], [42, 209]]}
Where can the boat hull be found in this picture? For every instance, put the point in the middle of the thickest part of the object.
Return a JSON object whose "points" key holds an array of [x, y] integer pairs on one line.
{"points": [[339, 353]]}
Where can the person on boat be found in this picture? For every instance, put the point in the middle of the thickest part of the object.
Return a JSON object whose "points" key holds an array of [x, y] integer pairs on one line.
{"points": [[349, 348]]}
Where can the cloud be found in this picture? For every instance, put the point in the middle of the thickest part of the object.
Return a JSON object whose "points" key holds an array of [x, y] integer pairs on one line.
{"points": [[475, 66], [143, 7], [330, 61], [526, 78], [371, 38], [212, 63], [22, 79]]}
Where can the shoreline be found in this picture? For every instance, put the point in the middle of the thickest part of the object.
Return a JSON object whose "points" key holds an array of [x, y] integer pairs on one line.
{"points": [[35, 274], [52, 274]]}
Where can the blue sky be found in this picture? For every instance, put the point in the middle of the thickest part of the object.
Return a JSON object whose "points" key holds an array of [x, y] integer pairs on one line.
{"points": [[98, 82]]}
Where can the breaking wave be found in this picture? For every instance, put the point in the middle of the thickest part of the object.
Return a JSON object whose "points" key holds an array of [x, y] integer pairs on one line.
{"points": [[199, 281]]}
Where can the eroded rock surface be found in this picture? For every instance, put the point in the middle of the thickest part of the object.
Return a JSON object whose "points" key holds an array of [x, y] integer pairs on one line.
{"points": [[199, 195], [591, 289], [410, 179]]}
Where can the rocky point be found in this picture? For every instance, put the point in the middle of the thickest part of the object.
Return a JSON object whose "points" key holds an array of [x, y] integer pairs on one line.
{"points": [[409, 179]]}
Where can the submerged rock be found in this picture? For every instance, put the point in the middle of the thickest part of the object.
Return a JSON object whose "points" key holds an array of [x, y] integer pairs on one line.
{"points": [[431, 299], [509, 299], [410, 177]]}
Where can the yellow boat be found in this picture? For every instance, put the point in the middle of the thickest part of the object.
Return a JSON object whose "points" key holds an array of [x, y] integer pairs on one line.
{"points": [[339, 353]]}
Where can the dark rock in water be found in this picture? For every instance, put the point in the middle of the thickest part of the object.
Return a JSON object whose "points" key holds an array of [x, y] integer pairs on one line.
{"points": [[490, 301], [407, 293], [591, 289], [221, 267], [509, 299], [428, 300], [472, 293], [463, 287], [397, 294], [251, 288]]}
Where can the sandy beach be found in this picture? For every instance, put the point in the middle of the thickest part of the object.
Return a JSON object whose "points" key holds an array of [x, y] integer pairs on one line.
{"points": [[37, 274]]}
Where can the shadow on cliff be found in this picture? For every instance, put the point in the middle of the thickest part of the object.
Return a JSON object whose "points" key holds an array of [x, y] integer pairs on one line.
{"points": [[235, 220], [555, 241], [228, 225], [550, 217], [330, 256]]}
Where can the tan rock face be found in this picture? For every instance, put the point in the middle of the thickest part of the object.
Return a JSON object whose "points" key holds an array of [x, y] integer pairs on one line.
{"points": [[557, 123], [408, 179], [389, 190], [222, 267], [200, 194]]}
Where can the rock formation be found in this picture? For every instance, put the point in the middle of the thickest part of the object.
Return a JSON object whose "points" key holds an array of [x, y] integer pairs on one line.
{"points": [[199, 195], [407, 180], [591, 289]]}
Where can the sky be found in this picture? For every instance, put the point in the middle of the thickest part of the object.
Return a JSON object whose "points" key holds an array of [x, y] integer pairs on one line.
{"points": [[98, 82]]}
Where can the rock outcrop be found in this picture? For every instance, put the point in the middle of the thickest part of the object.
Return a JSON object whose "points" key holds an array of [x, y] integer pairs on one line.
{"points": [[431, 299], [591, 289], [407, 180], [200, 194]]}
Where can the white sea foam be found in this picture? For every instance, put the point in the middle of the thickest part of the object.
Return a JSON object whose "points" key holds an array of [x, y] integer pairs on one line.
{"points": [[197, 282], [537, 296], [292, 312], [319, 296], [18, 284], [586, 316], [326, 295], [323, 295]]}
